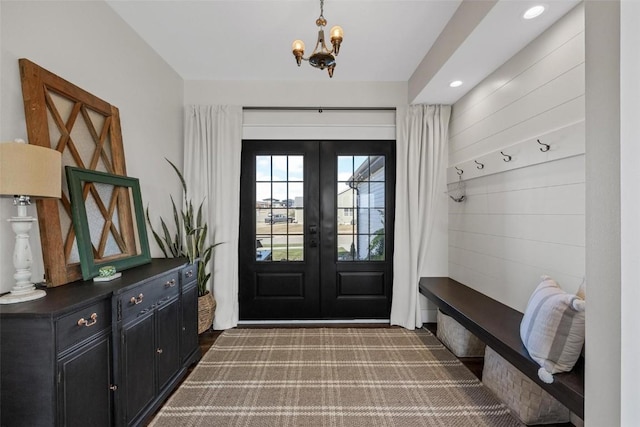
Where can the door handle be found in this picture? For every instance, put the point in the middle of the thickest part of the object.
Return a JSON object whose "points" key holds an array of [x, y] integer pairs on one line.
{"points": [[313, 232]]}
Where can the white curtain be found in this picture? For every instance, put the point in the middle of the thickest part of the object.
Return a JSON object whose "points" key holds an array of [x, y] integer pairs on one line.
{"points": [[421, 142], [212, 147]]}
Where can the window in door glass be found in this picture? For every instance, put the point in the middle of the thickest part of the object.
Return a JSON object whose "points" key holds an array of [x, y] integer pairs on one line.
{"points": [[360, 205], [279, 208]]}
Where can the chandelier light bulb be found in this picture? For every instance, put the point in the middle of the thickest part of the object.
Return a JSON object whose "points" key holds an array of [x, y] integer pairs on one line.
{"points": [[336, 32], [298, 45]]}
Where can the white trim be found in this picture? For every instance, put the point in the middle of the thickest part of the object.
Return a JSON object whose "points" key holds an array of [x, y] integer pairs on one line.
{"points": [[309, 124], [312, 322]]}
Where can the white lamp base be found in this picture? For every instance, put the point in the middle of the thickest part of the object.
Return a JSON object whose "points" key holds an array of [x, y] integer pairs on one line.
{"points": [[12, 297], [23, 290]]}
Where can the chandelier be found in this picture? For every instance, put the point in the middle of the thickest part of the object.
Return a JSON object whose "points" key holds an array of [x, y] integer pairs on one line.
{"points": [[321, 57]]}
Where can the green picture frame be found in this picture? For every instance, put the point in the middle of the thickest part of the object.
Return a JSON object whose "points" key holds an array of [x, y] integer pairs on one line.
{"points": [[108, 220]]}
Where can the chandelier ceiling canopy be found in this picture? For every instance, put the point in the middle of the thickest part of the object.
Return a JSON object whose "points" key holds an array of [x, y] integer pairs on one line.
{"points": [[321, 57]]}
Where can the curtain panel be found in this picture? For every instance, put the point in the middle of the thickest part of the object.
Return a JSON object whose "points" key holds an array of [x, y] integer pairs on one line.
{"points": [[212, 148], [421, 143]]}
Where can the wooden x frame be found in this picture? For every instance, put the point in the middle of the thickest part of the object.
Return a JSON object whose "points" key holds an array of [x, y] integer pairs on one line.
{"points": [[100, 136]]}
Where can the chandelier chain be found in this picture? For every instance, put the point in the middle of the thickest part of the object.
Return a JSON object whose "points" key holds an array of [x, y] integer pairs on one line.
{"points": [[322, 8]]}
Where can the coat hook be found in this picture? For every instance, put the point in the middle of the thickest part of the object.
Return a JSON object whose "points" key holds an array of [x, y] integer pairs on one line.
{"points": [[459, 171], [507, 158], [480, 165], [546, 147]]}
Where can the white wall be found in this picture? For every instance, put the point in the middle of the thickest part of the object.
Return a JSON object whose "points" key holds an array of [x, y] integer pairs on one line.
{"points": [[630, 212], [522, 223], [296, 94], [89, 45], [605, 245]]}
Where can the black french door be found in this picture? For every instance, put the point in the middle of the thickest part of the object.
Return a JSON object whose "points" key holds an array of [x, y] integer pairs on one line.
{"points": [[316, 229]]}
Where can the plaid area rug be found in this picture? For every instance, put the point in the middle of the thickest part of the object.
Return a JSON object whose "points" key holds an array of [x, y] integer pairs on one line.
{"points": [[351, 377]]}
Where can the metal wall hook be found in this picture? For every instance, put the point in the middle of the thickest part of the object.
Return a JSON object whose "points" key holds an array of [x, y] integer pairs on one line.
{"points": [[459, 171], [480, 165], [507, 158], [546, 147]]}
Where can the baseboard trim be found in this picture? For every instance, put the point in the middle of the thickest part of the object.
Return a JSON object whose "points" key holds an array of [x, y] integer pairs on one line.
{"points": [[313, 322]]}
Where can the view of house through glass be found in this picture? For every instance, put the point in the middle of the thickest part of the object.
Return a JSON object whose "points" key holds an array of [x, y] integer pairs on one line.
{"points": [[360, 208], [279, 208]]}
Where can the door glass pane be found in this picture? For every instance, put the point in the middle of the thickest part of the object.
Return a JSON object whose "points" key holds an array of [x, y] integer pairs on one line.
{"points": [[295, 248], [296, 168], [263, 168], [279, 168], [279, 208], [360, 206], [346, 247]]}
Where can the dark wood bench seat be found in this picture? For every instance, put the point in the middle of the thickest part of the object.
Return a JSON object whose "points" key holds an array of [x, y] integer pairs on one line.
{"points": [[498, 326]]}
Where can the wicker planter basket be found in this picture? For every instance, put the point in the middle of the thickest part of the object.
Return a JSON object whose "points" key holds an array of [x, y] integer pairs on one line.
{"points": [[525, 398], [206, 312], [456, 338]]}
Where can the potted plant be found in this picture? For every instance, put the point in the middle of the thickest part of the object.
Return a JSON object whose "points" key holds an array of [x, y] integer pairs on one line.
{"points": [[189, 240]]}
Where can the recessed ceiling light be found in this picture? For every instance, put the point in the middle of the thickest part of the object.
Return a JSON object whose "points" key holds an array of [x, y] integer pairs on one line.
{"points": [[533, 12], [455, 83]]}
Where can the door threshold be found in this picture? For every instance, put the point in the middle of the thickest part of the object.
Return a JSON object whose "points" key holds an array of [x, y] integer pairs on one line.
{"points": [[318, 322]]}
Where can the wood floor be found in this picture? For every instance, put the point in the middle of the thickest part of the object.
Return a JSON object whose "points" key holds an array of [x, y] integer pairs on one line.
{"points": [[474, 364]]}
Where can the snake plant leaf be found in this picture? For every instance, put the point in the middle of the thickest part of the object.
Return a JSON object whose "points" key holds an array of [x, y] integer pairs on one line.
{"points": [[156, 236], [182, 181]]}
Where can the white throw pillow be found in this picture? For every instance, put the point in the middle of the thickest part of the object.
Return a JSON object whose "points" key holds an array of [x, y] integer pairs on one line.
{"points": [[552, 328]]}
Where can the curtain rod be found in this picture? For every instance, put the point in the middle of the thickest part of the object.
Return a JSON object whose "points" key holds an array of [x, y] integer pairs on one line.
{"points": [[320, 109]]}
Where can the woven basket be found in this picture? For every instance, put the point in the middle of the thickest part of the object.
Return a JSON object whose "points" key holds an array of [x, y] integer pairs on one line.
{"points": [[525, 398], [206, 312], [456, 338]]}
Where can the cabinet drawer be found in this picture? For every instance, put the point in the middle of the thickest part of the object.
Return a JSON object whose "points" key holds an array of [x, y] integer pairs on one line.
{"points": [[144, 298], [82, 324], [189, 273]]}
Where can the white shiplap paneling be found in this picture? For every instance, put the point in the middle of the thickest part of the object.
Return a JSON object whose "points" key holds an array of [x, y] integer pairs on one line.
{"points": [[518, 224]]}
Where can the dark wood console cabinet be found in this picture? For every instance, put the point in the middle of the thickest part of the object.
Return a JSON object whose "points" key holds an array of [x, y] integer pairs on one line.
{"points": [[99, 354]]}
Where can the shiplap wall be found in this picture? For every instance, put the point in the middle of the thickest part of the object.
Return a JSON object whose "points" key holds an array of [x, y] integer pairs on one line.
{"points": [[519, 224]]}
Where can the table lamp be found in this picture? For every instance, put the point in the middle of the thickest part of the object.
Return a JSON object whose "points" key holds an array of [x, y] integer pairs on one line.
{"points": [[26, 171]]}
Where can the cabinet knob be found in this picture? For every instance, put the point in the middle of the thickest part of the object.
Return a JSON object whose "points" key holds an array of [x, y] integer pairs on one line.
{"points": [[159, 351], [137, 300], [170, 284], [87, 323], [113, 387], [189, 274]]}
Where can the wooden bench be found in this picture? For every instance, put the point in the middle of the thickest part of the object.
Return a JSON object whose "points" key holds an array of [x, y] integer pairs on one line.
{"points": [[498, 326]]}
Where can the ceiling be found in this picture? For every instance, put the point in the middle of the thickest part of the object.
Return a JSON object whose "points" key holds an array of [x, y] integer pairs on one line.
{"points": [[384, 40]]}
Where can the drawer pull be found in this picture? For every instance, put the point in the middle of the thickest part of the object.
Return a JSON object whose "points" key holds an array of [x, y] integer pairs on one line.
{"points": [[137, 300], [189, 274], [170, 284], [87, 323], [159, 351], [113, 387]]}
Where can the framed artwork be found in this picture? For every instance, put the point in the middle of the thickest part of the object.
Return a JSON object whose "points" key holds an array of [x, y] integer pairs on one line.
{"points": [[108, 219], [86, 130]]}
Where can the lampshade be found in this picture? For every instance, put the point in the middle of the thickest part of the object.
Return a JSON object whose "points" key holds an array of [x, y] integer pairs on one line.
{"points": [[30, 170]]}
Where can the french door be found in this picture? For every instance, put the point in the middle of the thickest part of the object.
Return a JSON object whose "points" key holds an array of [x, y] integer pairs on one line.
{"points": [[316, 229]]}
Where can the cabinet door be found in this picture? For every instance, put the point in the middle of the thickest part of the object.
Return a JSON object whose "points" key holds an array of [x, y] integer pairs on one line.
{"points": [[168, 344], [189, 342], [138, 356], [84, 379]]}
